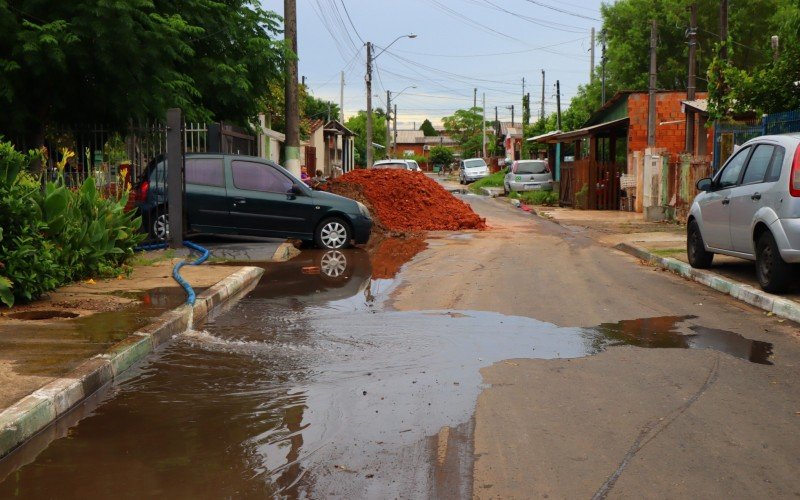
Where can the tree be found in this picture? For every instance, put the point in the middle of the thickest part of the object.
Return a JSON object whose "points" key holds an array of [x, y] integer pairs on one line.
{"points": [[427, 129], [95, 61], [769, 87], [626, 32], [358, 124], [465, 126], [440, 155]]}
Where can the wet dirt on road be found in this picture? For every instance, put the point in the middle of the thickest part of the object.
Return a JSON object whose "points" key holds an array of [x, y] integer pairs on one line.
{"points": [[312, 387]]}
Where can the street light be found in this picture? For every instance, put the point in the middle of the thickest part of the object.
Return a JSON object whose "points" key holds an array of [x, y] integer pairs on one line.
{"points": [[368, 79], [389, 115]]}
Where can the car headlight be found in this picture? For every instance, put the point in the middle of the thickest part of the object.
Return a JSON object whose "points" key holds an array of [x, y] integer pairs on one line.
{"points": [[362, 209]]}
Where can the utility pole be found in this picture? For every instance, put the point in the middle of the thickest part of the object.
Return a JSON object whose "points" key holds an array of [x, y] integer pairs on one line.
{"points": [[524, 104], [394, 143], [541, 114], [512, 115], [651, 106], [603, 73], [723, 28], [496, 124], [775, 50], [591, 58], [388, 122], [690, 84], [341, 97], [291, 110], [558, 127], [474, 98], [483, 137], [368, 80]]}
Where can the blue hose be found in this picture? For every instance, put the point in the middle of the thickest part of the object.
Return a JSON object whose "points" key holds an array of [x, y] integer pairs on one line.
{"points": [[151, 246], [176, 270]]}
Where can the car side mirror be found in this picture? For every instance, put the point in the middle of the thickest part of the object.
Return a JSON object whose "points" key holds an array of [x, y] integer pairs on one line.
{"points": [[705, 184], [294, 192]]}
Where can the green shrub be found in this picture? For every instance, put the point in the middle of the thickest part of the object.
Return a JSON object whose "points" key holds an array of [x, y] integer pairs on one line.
{"points": [[546, 198], [492, 180], [55, 235]]}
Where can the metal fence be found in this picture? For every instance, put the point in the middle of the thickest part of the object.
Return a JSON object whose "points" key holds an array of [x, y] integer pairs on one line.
{"points": [[728, 135]]}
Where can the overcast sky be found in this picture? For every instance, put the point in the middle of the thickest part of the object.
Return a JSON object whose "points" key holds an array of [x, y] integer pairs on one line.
{"points": [[460, 45]]}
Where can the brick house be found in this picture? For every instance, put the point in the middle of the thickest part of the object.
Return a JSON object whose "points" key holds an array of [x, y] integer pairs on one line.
{"points": [[414, 142], [613, 144]]}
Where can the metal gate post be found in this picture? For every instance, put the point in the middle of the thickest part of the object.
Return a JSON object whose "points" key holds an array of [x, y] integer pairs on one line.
{"points": [[175, 184]]}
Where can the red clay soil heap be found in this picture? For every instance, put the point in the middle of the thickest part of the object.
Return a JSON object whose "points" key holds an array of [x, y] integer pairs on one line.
{"points": [[409, 201]]}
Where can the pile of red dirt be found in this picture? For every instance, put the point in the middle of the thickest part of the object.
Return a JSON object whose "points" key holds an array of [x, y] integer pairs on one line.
{"points": [[405, 201]]}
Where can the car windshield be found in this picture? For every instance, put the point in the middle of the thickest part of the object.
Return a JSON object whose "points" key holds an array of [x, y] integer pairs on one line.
{"points": [[531, 167], [474, 163], [390, 165]]}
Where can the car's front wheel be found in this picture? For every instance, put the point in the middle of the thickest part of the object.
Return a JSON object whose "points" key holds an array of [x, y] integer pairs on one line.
{"points": [[159, 226], [333, 233], [699, 257], [774, 274]]}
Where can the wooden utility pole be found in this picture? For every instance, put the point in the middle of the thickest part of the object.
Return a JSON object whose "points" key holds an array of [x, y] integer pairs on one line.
{"points": [[474, 98], [394, 116], [591, 58], [603, 73], [291, 110], [541, 113], [690, 84], [368, 80], [341, 97], [388, 122], [558, 127], [723, 28], [651, 105], [483, 136]]}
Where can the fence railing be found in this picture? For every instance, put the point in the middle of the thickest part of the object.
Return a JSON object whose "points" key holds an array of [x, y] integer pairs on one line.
{"points": [[728, 135]]}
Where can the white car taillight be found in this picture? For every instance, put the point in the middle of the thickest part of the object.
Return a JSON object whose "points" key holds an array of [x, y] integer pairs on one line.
{"points": [[794, 176]]}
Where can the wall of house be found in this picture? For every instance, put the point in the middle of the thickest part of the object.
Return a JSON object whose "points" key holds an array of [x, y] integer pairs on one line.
{"points": [[317, 141], [670, 122]]}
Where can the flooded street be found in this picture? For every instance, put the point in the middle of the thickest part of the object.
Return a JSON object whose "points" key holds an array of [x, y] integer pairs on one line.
{"points": [[313, 386]]}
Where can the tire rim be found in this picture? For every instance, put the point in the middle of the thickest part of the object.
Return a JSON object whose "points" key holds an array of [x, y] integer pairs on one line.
{"points": [[333, 235], [765, 262], [333, 264], [161, 227]]}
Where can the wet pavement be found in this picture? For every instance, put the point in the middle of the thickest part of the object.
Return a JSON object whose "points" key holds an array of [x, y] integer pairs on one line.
{"points": [[312, 386]]}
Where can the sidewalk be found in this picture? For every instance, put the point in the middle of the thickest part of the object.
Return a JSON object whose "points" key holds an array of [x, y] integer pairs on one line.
{"points": [[59, 350], [663, 244]]}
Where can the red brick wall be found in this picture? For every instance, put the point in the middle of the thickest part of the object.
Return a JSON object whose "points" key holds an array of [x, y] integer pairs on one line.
{"points": [[668, 109]]}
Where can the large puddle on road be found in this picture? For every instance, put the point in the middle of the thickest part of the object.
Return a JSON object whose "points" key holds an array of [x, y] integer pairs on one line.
{"points": [[308, 387]]}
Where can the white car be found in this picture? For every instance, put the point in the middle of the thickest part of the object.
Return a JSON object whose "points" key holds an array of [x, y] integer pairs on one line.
{"points": [[751, 209], [398, 163], [472, 169]]}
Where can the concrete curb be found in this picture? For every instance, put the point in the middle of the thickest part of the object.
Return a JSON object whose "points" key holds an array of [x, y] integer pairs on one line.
{"points": [[775, 304], [493, 192], [36, 411]]}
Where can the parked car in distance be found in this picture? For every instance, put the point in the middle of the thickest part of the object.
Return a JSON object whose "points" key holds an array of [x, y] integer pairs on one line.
{"points": [[244, 195], [528, 175], [472, 169], [398, 163], [401, 164], [751, 209]]}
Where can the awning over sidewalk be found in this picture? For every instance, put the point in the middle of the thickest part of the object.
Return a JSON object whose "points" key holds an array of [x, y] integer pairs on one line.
{"points": [[586, 131], [544, 138]]}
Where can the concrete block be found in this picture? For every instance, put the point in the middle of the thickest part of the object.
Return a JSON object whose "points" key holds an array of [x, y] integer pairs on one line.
{"points": [[786, 308], [753, 296]]}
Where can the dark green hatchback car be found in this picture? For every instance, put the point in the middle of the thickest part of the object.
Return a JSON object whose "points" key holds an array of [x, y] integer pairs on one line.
{"points": [[245, 195]]}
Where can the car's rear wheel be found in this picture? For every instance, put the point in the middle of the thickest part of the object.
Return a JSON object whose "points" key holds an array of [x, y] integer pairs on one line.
{"points": [[774, 274], [333, 233], [699, 257], [505, 189], [159, 225]]}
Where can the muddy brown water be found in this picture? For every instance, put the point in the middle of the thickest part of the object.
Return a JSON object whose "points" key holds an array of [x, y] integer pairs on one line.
{"points": [[312, 387]]}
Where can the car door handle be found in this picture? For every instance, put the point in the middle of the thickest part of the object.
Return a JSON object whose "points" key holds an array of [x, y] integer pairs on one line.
{"points": [[239, 201], [726, 201], [756, 196]]}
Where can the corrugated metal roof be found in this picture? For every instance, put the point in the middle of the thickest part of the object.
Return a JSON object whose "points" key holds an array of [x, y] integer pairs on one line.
{"points": [[698, 104], [410, 136]]}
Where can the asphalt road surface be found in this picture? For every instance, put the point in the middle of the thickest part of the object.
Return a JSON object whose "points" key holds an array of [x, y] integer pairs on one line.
{"points": [[628, 421]]}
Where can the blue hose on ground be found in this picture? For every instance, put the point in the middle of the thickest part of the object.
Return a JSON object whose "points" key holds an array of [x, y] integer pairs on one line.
{"points": [[176, 270], [150, 246]]}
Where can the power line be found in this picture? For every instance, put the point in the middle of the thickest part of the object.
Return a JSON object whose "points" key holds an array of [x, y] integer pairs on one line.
{"points": [[493, 54], [351, 21], [545, 24], [540, 4]]}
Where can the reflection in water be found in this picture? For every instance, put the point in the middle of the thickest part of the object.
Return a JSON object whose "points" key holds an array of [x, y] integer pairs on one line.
{"points": [[302, 389]]}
